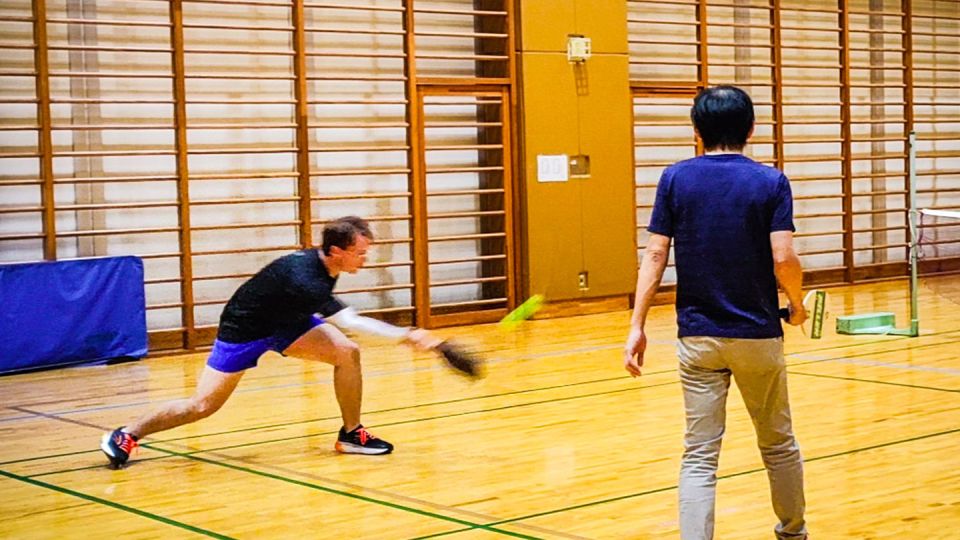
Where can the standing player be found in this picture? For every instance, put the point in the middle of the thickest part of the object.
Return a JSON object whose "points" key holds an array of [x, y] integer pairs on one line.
{"points": [[731, 221], [275, 311]]}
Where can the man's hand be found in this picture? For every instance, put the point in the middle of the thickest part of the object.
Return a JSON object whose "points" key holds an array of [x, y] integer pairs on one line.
{"points": [[798, 314], [633, 351], [422, 340]]}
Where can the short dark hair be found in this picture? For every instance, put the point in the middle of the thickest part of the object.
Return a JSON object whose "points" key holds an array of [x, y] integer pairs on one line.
{"points": [[342, 232], [723, 116], [359, 224]]}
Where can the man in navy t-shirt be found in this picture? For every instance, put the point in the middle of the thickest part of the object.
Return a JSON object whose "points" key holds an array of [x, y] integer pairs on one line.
{"points": [[731, 223]]}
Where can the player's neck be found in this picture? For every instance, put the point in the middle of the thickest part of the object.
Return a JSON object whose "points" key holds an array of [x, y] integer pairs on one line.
{"points": [[724, 152], [332, 266]]}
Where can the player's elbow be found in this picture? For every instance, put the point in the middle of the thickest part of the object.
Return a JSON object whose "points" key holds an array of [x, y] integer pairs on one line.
{"points": [[788, 268], [781, 245], [784, 258], [657, 251], [656, 255]]}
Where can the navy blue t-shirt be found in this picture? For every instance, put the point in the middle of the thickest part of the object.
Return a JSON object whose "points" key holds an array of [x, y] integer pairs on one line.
{"points": [[720, 211]]}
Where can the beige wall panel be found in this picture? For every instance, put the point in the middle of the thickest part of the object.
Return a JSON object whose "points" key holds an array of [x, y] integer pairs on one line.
{"points": [[585, 223], [545, 24], [605, 23], [606, 123], [549, 111]]}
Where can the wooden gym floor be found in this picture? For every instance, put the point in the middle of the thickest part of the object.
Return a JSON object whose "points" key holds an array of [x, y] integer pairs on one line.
{"points": [[557, 442]]}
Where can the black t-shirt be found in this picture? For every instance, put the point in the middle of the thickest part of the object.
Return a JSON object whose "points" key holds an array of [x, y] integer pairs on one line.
{"points": [[284, 294]]}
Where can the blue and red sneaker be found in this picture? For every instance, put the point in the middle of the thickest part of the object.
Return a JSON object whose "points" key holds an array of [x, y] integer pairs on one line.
{"points": [[361, 441], [118, 445]]}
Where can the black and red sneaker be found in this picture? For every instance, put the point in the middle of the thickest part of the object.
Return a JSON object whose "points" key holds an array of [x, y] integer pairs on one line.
{"points": [[118, 445], [361, 441]]}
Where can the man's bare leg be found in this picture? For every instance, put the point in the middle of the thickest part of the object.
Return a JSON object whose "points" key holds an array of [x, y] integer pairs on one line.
{"points": [[326, 343], [213, 389]]}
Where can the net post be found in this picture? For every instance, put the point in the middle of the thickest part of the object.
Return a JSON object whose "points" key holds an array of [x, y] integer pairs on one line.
{"points": [[914, 237]]}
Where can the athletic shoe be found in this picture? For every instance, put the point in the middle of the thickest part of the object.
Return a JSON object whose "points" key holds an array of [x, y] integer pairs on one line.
{"points": [[118, 445], [361, 441]]}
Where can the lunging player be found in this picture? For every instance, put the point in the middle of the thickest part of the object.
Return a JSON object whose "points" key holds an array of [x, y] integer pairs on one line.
{"points": [[275, 310]]}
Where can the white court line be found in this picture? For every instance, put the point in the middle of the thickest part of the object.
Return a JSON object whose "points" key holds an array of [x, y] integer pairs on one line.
{"points": [[435, 366], [878, 363], [494, 360]]}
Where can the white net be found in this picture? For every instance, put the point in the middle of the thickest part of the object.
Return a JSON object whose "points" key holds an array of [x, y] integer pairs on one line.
{"points": [[938, 241]]}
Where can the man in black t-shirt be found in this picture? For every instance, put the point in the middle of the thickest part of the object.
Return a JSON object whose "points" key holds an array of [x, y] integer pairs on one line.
{"points": [[275, 310]]}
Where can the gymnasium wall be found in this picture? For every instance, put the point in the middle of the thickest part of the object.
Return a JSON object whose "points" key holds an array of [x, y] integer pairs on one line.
{"points": [[583, 225], [837, 88], [209, 137]]}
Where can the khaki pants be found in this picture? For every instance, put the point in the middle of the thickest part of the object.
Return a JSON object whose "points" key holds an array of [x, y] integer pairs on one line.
{"points": [[757, 365]]}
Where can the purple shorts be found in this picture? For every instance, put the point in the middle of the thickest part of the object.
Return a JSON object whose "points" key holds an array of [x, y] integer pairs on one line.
{"points": [[233, 357]]}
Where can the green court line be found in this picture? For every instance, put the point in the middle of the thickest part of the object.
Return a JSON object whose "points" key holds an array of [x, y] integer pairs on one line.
{"points": [[407, 407], [914, 348], [440, 417], [438, 535], [855, 379], [115, 505], [470, 525], [869, 353], [255, 379], [50, 456], [364, 498], [723, 477], [487, 396], [152, 444], [424, 419], [890, 339], [379, 411], [555, 353], [452, 415], [93, 467], [248, 470]]}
